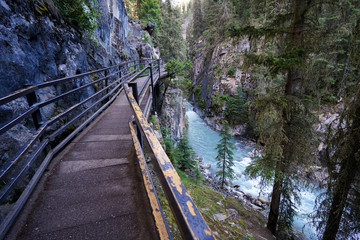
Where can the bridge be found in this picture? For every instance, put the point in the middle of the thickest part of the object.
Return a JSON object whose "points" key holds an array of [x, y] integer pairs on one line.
{"points": [[82, 171]]}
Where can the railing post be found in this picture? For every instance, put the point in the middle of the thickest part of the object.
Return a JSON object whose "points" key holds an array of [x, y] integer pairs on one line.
{"points": [[36, 116], [106, 73], [120, 74], [136, 97], [106, 79], [152, 89]]}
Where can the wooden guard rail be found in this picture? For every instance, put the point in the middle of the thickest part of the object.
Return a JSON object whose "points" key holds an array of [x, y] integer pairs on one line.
{"points": [[188, 217], [107, 84]]}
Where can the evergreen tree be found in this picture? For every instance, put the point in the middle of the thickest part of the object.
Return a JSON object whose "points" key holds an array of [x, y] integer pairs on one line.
{"points": [[225, 156], [338, 209], [343, 191], [185, 159], [171, 43], [198, 23], [293, 31], [150, 11]]}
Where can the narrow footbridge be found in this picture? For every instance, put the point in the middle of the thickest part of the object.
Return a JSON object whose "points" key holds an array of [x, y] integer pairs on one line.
{"points": [[77, 169]]}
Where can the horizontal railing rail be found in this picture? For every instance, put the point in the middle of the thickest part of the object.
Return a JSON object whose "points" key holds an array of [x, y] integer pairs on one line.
{"points": [[32, 88], [102, 87], [159, 218], [99, 89], [190, 222]]}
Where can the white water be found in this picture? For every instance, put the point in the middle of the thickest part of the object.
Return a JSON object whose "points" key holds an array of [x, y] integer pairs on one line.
{"points": [[204, 140]]}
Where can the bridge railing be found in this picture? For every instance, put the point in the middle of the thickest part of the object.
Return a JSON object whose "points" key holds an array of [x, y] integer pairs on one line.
{"points": [[73, 102], [189, 220]]}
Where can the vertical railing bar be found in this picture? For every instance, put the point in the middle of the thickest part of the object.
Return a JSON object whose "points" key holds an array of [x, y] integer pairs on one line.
{"points": [[36, 116], [152, 89], [134, 88]]}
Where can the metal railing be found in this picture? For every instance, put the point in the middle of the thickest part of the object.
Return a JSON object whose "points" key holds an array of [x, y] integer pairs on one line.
{"points": [[48, 137], [190, 222], [78, 100]]}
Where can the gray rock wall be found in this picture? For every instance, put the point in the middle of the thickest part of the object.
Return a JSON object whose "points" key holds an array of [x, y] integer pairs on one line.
{"points": [[210, 71], [173, 113], [37, 47]]}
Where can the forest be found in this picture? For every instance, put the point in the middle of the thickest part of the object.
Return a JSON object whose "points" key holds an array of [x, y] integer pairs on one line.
{"points": [[302, 59]]}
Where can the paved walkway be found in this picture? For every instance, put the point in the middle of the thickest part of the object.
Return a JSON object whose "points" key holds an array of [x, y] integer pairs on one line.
{"points": [[94, 189]]}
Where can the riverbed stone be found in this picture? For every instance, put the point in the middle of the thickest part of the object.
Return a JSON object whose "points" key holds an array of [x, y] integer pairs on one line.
{"points": [[220, 217], [232, 213], [205, 165]]}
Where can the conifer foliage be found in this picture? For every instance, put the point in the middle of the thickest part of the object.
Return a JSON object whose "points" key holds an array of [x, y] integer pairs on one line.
{"points": [[150, 11], [186, 153], [171, 43], [225, 157], [338, 209], [300, 58]]}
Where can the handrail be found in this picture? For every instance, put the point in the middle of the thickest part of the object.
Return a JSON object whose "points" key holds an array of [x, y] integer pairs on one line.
{"points": [[189, 219], [46, 131], [27, 90], [160, 222], [108, 87]]}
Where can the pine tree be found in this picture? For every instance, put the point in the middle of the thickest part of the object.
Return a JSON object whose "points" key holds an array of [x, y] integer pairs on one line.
{"points": [[344, 192], [225, 156], [171, 43], [150, 11], [338, 209], [185, 158], [198, 23], [293, 31]]}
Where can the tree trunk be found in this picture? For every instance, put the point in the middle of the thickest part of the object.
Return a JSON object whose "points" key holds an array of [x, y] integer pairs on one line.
{"points": [[223, 170], [339, 199], [300, 8], [347, 175], [276, 197], [275, 202]]}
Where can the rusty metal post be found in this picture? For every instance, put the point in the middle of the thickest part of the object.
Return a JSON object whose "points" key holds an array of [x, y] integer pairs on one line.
{"points": [[136, 97], [159, 67], [36, 116], [152, 89]]}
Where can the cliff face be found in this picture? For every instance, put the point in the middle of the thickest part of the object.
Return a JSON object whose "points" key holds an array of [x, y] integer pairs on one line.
{"points": [[217, 73], [173, 113], [36, 44]]}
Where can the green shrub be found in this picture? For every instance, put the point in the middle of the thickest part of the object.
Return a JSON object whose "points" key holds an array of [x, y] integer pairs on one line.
{"points": [[150, 11], [80, 13], [236, 111], [231, 71], [152, 119]]}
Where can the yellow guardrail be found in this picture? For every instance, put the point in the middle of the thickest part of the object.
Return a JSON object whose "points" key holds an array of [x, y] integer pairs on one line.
{"points": [[190, 222]]}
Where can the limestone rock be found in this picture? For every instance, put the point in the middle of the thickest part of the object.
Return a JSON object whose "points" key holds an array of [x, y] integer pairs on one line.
{"points": [[205, 165], [220, 217], [232, 213]]}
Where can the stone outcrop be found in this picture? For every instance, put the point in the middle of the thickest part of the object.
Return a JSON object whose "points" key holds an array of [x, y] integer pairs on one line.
{"points": [[173, 113], [219, 74], [37, 45]]}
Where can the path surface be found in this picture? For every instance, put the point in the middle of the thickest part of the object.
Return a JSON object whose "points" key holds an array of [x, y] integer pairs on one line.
{"points": [[94, 189]]}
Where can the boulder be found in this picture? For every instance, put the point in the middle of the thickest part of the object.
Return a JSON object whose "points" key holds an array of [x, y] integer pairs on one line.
{"points": [[205, 165], [232, 213], [220, 217], [150, 27]]}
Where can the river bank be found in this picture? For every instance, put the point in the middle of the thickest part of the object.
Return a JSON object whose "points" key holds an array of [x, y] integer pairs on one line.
{"points": [[204, 139]]}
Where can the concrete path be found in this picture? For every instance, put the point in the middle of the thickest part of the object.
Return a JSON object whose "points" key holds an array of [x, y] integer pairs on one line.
{"points": [[93, 189]]}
